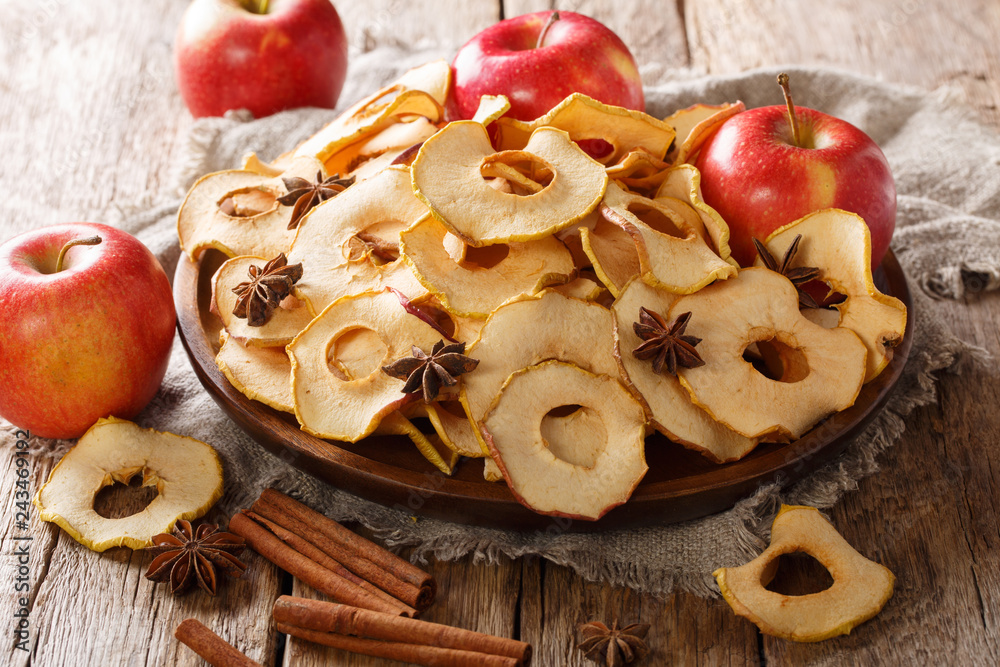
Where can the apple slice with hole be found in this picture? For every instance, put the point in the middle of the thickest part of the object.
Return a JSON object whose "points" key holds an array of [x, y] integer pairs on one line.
{"points": [[822, 370], [477, 282], [683, 182], [238, 213], [349, 244], [606, 133], [261, 374], [450, 175], [672, 255], [337, 361], [586, 478], [838, 243], [671, 410]]}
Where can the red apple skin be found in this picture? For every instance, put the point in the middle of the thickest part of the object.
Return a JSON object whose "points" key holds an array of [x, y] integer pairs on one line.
{"points": [[90, 341], [226, 57], [758, 181], [579, 54]]}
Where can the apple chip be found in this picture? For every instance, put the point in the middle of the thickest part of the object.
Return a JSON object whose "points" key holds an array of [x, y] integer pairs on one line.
{"points": [[672, 254], [683, 182], [238, 212], [337, 361], [606, 133], [374, 152], [477, 281], [838, 243], [454, 428], [584, 478], [448, 175], [491, 471], [584, 288], [259, 373], [186, 472], [431, 448], [671, 410], [350, 244], [639, 172], [490, 108], [860, 589], [695, 125], [612, 253], [821, 370], [288, 319]]}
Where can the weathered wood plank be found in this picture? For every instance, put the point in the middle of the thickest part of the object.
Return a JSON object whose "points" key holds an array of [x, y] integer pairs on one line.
{"points": [[414, 25]]}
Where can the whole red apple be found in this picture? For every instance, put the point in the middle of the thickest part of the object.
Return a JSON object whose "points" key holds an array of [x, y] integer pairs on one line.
{"points": [[761, 174], [259, 55], [538, 59], [85, 338]]}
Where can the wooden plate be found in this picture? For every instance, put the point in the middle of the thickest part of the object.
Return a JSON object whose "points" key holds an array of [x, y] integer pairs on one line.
{"points": [[680, 484]]}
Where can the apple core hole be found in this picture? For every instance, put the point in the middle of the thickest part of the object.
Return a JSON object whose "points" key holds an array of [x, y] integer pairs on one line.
{"points": [[524, 174], [777, 361], [574, 434], [356, 354], [656, 219], [118, 500], [248, 202], [485, 257], [795, 574], [374, 242]]}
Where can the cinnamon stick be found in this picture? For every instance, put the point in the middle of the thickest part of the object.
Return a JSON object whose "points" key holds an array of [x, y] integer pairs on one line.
{"points": [[322, 579], [418, 654], [339, 619], [210, 646], [314, 553], [399, 578]]}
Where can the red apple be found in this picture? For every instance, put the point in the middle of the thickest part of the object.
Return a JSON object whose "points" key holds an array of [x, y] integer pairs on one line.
{"points": [[760, 177], [538, 59], [259, 55], [84, 340]]}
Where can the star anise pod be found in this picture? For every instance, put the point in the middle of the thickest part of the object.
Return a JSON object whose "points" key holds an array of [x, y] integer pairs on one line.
{"points": [[430, 372], [799, 276], [257, 298], [304, 195], [666, 344], [614, 646], [188, 556]]}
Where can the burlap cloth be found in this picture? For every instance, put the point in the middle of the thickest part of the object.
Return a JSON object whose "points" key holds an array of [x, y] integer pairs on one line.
{"points": [[947, 239]]}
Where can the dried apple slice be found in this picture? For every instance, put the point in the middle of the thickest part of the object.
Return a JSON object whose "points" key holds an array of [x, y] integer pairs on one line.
{"points": [[259, 373], [454, 429], [671, 410], [285, 322], [475, 284], [695, 125], [614, 455], [607, 133], [639, 172], [186, 472], [376, 150], [349, 244], [490, 108], [491, 471], [823, 369], [431, 448], [584, 288], [612, 253], [860, 589], [337, 361], [838, 243], [447, 176], [525, 332], [238, 212], [683, 182], [672, 254]]}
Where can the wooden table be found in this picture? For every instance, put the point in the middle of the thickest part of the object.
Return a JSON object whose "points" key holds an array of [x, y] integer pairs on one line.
{"points": [[91, 127]]}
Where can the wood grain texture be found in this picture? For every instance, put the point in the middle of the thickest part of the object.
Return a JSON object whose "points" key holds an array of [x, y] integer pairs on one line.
{"points": [[87, 96]]}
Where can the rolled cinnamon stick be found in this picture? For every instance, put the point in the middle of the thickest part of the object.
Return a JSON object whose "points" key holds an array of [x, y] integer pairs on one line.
{"points": [[210, 646], [418, 654], [325, 581], [365, 558], [314, 553], [339, 619]]}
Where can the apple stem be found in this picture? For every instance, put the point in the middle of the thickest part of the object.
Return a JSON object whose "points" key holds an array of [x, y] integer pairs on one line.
{"points": [[553, 17], [90, 240], [792, 120]]}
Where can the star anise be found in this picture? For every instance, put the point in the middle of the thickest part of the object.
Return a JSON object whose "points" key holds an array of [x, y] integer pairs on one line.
{"points": [[799, 276], [257, 298], [666, 344], [614, 646], [304, 195], [188, 556], [430, 372]]}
